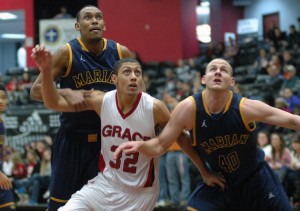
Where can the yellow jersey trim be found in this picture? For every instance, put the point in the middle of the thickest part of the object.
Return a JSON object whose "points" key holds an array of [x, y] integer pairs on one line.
{"points": [[70, 61], [191, 209], [59, 200], [227, 106], [7, 204], [82, 45], [119, 51], [85, 49], [244, 118], [194, 143], [228, 102]]}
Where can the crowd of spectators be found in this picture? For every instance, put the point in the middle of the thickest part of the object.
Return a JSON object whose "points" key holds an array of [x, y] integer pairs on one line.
{"points": [[29, 171], [267, 70]]}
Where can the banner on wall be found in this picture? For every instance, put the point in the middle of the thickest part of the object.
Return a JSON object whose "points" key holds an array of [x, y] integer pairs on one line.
{"points": [[27, 125], [56, 32]]}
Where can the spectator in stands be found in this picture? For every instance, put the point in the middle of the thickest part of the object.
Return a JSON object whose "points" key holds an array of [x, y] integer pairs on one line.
{"points": [[231, 51], [272, 51], [22, 56], [282, 104], [63, 13], [275, 80], [291, 80], [19, 169], [288, 58], [280, 159], [263, 141], [149, 86], [171, 79], [7, 162], [6, 194], [276, 60], [19, 96], [293, 175], [33, 166], [279, 40], [293, 38], [40, 181], [163, 198], [26, 80], [270, 34], [197, 85], [12, 84], [219, 49], [177, 164], [19, 172], [292, 100], [261, 62]]}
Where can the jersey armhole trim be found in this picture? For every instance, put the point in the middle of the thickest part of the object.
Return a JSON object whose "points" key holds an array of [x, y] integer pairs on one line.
{"points": [[70, 61], [194, 121], [119, 51], [244, 118]]}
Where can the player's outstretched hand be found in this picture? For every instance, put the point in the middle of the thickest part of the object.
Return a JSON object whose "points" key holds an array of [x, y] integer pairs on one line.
{"points": [[212, 179], [5, 183], [128, 147], [42, 57]]}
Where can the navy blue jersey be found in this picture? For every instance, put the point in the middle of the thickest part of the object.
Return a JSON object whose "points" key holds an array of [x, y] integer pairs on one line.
{"points": [[225, 141], [87, 71]]}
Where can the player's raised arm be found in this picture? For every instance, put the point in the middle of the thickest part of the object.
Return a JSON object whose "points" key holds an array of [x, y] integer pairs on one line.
{"points": [[159, 145], [255, 110], [52, 98], [59, 63]]}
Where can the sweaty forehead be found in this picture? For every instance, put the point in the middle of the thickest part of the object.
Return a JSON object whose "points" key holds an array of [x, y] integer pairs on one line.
{"points": [[219, 63], [130, 65], [90, 10]]}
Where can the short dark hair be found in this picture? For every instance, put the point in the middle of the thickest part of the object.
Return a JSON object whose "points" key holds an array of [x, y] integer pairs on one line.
{"points": [[119, 63], [2, 87], [78, 14]]}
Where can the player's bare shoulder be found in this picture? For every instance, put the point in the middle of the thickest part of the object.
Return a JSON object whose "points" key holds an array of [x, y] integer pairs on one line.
{"points": [[61, 57], [125, 51]]}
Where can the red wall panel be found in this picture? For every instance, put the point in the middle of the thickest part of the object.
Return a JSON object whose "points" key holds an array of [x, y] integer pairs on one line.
{"points": [[27, 6], [156, 29]]}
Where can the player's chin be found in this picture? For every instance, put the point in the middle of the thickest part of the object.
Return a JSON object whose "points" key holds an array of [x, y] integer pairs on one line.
{"points": [[133, 93], [96, 38]]}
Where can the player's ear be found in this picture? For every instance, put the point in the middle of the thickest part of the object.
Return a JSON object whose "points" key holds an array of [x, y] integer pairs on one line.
{"points": [[77, 26], [232, 82], [114, 79], [203, 80], [104, 27]]}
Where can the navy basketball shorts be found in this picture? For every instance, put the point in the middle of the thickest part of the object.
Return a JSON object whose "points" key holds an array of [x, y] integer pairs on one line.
{"points": [[7, 200], [261, 191], [74, 161]]}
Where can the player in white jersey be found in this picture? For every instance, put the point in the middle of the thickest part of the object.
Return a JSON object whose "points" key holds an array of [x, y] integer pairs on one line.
{"points": [[131, 182]]}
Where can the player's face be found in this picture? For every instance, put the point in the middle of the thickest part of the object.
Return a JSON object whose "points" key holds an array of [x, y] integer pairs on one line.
{"points": [[218, 75], [91, 24], [3, 101], [129, 78]]}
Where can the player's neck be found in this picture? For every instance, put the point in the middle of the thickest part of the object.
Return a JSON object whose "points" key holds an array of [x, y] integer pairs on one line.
{"points": [[216, 100], [95, 47], [126, 103]]}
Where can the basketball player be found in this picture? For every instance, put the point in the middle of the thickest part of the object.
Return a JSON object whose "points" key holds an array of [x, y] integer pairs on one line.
{"points": [[131, 182], [83, 63], [6, 194], [221, 124]]}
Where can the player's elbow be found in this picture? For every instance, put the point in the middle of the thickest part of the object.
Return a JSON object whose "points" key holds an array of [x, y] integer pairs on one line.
{"points": [[35, 94]]}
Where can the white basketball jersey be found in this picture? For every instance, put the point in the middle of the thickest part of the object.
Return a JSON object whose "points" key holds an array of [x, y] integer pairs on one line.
{"points": [[135, 169]]}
